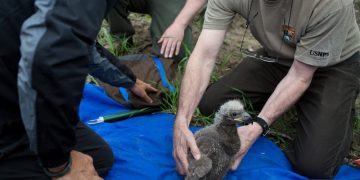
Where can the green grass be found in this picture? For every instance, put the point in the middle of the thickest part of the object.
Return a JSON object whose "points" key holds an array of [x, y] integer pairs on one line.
{"points": [[357, 115], [90, 79], [170, 100], [170, 103], [357, 3], [117, 45], [221, 65], [282, 131], [199, 20], [246, 102]]}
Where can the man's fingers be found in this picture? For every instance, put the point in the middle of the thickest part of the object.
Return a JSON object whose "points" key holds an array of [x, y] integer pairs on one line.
{"points": [[180, 169], [177, 161], [193, 147], [94, 170], [152, 89], [96, 178], [180, 154], [237, 161], [161, 39], [173, 47], [90, 166], [182, 157], [168, 48], [179, 166], [164, 45], [147, 98], [235, 164], [183, 140], [178, 46]]}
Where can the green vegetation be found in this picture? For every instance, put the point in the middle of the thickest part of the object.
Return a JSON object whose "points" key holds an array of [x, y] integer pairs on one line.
{"points": [[171, 99], [357, 3], [117, 45], [357, 115], [221, 65]]}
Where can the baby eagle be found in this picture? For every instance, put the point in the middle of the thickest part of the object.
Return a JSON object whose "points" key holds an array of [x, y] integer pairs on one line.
{"points": [[218, 143]]}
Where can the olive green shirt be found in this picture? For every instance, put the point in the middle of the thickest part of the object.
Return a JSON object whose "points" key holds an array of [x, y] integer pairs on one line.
{"points": [[316, 32]]}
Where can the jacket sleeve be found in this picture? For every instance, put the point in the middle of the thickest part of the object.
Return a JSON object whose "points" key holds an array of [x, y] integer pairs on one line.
{"points": [[55, 46], [108, 68]]}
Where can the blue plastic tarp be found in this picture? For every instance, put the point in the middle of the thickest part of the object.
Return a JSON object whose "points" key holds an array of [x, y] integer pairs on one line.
{"points": [[143, 146]]}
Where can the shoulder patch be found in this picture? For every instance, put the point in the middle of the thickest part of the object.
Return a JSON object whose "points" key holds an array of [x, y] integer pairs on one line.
{"points": [[321, 54]]}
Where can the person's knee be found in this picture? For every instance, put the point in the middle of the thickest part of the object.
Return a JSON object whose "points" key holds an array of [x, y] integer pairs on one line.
{"points": [[204, 107], [207, 106], [104, 161], [109, 161], [313, 167]]}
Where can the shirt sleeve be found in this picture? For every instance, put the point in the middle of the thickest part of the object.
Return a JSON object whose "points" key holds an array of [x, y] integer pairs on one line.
{"points": [[219, 15], [108, 68], [55, 43], [323, 42]]}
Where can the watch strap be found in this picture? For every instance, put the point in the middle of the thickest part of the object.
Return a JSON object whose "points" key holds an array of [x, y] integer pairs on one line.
{"points": [[263, 124]]}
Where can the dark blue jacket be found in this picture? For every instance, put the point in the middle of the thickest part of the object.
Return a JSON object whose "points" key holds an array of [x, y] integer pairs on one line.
{"points": [[46, 49]]}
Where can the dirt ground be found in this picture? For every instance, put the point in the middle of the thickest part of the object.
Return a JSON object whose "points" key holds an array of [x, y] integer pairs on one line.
{"points": [[230, 51]]}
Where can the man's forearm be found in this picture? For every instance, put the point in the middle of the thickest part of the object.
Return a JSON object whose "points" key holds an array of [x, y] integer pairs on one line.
{"points": [[189, 11], [198, 71], [194, 83], [288, 91]]}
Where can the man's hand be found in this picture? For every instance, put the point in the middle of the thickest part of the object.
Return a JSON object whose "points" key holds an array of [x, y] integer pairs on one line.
{"points": [[141, 88], [171, 40], [248, 135], [183, 140], [82, 168], [193, 85]]}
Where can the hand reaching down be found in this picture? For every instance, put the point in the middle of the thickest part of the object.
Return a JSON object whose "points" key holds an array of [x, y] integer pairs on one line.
{"points": [[184, 140], [248, 135], [141, 89], [171, 40], [82, 168]]}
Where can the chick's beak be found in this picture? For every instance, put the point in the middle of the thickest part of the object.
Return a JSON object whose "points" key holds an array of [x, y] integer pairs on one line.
{"points": [[243, 117], [239, 119]]}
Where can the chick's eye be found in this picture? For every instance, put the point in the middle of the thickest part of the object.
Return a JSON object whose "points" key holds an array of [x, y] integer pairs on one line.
{"points": [[234, 114]]}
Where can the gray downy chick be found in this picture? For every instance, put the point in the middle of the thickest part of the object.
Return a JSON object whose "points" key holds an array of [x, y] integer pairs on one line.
{"points": [[218, 143]]}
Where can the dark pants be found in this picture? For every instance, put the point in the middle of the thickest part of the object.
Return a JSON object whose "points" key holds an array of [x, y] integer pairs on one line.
{"points": [[23, 163], [163, 13], [326, 110]]}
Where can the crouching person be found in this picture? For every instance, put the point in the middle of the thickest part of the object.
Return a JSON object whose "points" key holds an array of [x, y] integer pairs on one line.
{"points": [[313, 64], [45, 52]]}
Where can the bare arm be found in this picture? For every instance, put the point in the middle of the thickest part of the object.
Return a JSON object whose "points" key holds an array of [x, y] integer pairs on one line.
{"points": [[288, 91], [198, 71], [172, 38], [194, 83], [188, 12]]}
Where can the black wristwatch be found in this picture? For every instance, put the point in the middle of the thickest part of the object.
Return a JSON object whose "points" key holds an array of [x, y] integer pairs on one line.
{"points": [[263, 124], [60, 173], [260, 121]]}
